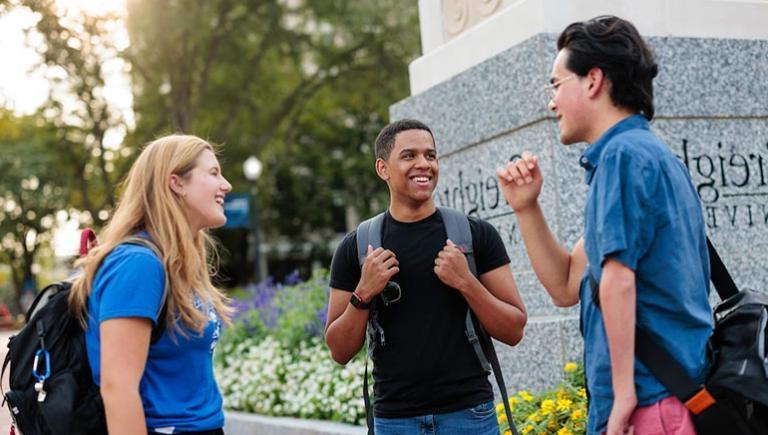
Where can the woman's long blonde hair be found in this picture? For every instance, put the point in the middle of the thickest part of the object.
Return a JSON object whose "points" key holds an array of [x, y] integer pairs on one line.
{"points": [[149, 204]]}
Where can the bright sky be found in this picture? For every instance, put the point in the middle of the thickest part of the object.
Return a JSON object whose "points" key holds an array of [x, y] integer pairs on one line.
{"points": [[20, 88], [24, 87]]}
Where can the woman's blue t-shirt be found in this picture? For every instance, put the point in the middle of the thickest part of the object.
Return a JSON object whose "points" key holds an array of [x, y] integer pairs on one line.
{"points": [[178, 390]]}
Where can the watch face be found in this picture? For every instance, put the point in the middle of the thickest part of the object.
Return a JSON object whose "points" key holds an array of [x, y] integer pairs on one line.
{"points": [[357, 302]]}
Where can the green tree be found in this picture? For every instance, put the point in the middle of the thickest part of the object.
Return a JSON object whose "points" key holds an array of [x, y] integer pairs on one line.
{"points": [[76, 49], [302, 84], [305, 85], [32, 190]]}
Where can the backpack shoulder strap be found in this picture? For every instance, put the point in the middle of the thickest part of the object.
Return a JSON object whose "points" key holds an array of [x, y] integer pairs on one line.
{"points": [[719, 274], [157, 331], [457, 229], [369, 233], [664, 366]]}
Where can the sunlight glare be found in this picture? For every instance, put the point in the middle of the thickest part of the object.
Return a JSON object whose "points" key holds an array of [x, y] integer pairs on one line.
{"points": [[94, 7]]}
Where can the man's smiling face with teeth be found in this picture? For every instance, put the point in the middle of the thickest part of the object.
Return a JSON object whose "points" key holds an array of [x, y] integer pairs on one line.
{"points": [[411, 169]]}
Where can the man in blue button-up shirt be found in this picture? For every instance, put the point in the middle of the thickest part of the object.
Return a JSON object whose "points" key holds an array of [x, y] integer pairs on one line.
{"points": [[644, 239]]}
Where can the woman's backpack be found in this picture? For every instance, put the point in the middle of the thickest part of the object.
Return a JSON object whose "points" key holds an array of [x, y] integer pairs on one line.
{"points": [[51, 385]]}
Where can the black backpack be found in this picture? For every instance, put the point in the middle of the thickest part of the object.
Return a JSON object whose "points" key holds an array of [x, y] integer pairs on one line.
{"points": [[51, 385], [457, 229], [734, 398]]}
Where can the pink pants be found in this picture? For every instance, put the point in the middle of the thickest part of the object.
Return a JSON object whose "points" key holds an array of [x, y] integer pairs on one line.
{"points": [[666, 417]]}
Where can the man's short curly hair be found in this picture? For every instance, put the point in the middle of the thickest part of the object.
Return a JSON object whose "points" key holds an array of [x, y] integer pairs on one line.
{"points": [[385, 141]]}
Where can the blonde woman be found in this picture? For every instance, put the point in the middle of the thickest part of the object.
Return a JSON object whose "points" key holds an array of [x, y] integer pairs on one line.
{"points": [[173, 193]]}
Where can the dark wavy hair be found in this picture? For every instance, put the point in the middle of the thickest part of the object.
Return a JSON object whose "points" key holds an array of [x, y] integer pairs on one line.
{"points": [[615, 46], [385, 141]]}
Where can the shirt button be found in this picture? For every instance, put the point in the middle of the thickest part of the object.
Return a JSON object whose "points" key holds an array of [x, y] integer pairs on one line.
{"points": [[583, 160]]}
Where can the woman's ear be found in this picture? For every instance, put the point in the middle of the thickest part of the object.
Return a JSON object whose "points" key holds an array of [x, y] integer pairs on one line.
{"points": [[382, 170], [177, 185]]}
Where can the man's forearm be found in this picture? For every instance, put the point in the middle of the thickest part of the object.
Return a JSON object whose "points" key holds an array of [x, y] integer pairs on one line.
{"points": [[618, 302], [550, 261], [346, 334]]}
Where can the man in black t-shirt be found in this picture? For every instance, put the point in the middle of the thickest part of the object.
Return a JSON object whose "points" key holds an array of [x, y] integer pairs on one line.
{"points": [[427, 376]]}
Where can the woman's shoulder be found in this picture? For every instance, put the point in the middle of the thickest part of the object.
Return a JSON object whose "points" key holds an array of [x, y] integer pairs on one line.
{"points": [[132, 252], [130, 259], [126, 266]]}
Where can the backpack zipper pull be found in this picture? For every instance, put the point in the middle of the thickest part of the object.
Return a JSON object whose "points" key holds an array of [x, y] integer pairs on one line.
{"points": [[40, 388]]}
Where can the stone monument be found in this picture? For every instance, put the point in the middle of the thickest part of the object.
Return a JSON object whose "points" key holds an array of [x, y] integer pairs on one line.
{"points": [[479, 85]]}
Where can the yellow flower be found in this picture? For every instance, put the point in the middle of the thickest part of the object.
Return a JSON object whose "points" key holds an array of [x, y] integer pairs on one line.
{"points": [[513, 401], [499, 408], [570, 367], [582, 393], [577, 415], [547, 407], [535, 417], [562, 394], [525, 396], [527, 429], [502, 419], [564, 404], [564, 431], [507, 432]]}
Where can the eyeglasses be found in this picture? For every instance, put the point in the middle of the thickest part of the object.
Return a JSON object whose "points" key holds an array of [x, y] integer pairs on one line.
{"points": [[391, 293], [551, 89]]}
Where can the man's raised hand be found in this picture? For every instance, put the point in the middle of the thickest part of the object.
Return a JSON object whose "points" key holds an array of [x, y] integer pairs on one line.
{"points": [[521, 181]]}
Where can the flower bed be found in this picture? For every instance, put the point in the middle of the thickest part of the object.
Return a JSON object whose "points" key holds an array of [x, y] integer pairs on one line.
{"points": [[272, 361]]}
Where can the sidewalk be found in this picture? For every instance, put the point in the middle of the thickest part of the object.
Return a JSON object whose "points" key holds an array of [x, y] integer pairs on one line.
{"points": [[5, 416]]}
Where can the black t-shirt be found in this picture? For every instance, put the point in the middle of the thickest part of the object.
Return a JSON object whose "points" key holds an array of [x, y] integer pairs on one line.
{"points": [[427, 365]]}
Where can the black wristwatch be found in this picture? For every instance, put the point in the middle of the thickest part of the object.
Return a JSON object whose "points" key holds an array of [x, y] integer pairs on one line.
{"points": [[358, 302]]}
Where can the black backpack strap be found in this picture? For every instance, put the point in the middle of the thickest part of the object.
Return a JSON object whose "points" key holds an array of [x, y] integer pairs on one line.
{"points": [[494, 359], [2, 373], [474, 339], [367, 401], [157, 330], [665, 368], [457, 229], [719, 273]]}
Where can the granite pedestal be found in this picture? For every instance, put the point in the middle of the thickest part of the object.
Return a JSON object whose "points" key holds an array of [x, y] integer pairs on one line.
{"points": [[711, 109]]}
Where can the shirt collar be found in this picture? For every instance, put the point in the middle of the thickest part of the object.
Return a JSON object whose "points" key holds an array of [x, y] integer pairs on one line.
{"points": [[591, 156]]}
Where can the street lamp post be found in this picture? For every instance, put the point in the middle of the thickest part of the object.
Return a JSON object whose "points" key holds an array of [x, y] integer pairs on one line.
{"points": [[252, 169]]}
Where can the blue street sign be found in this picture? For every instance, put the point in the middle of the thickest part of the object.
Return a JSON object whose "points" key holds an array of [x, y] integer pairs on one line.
{"points": [[236, 207]]}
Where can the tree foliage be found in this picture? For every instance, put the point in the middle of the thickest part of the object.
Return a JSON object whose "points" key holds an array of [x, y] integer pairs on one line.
{"points": [[32, 190], [304, 85], [76, 49]]}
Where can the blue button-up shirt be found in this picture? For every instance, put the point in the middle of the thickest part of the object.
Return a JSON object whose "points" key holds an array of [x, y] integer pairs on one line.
{"points": [[643, 210]]}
